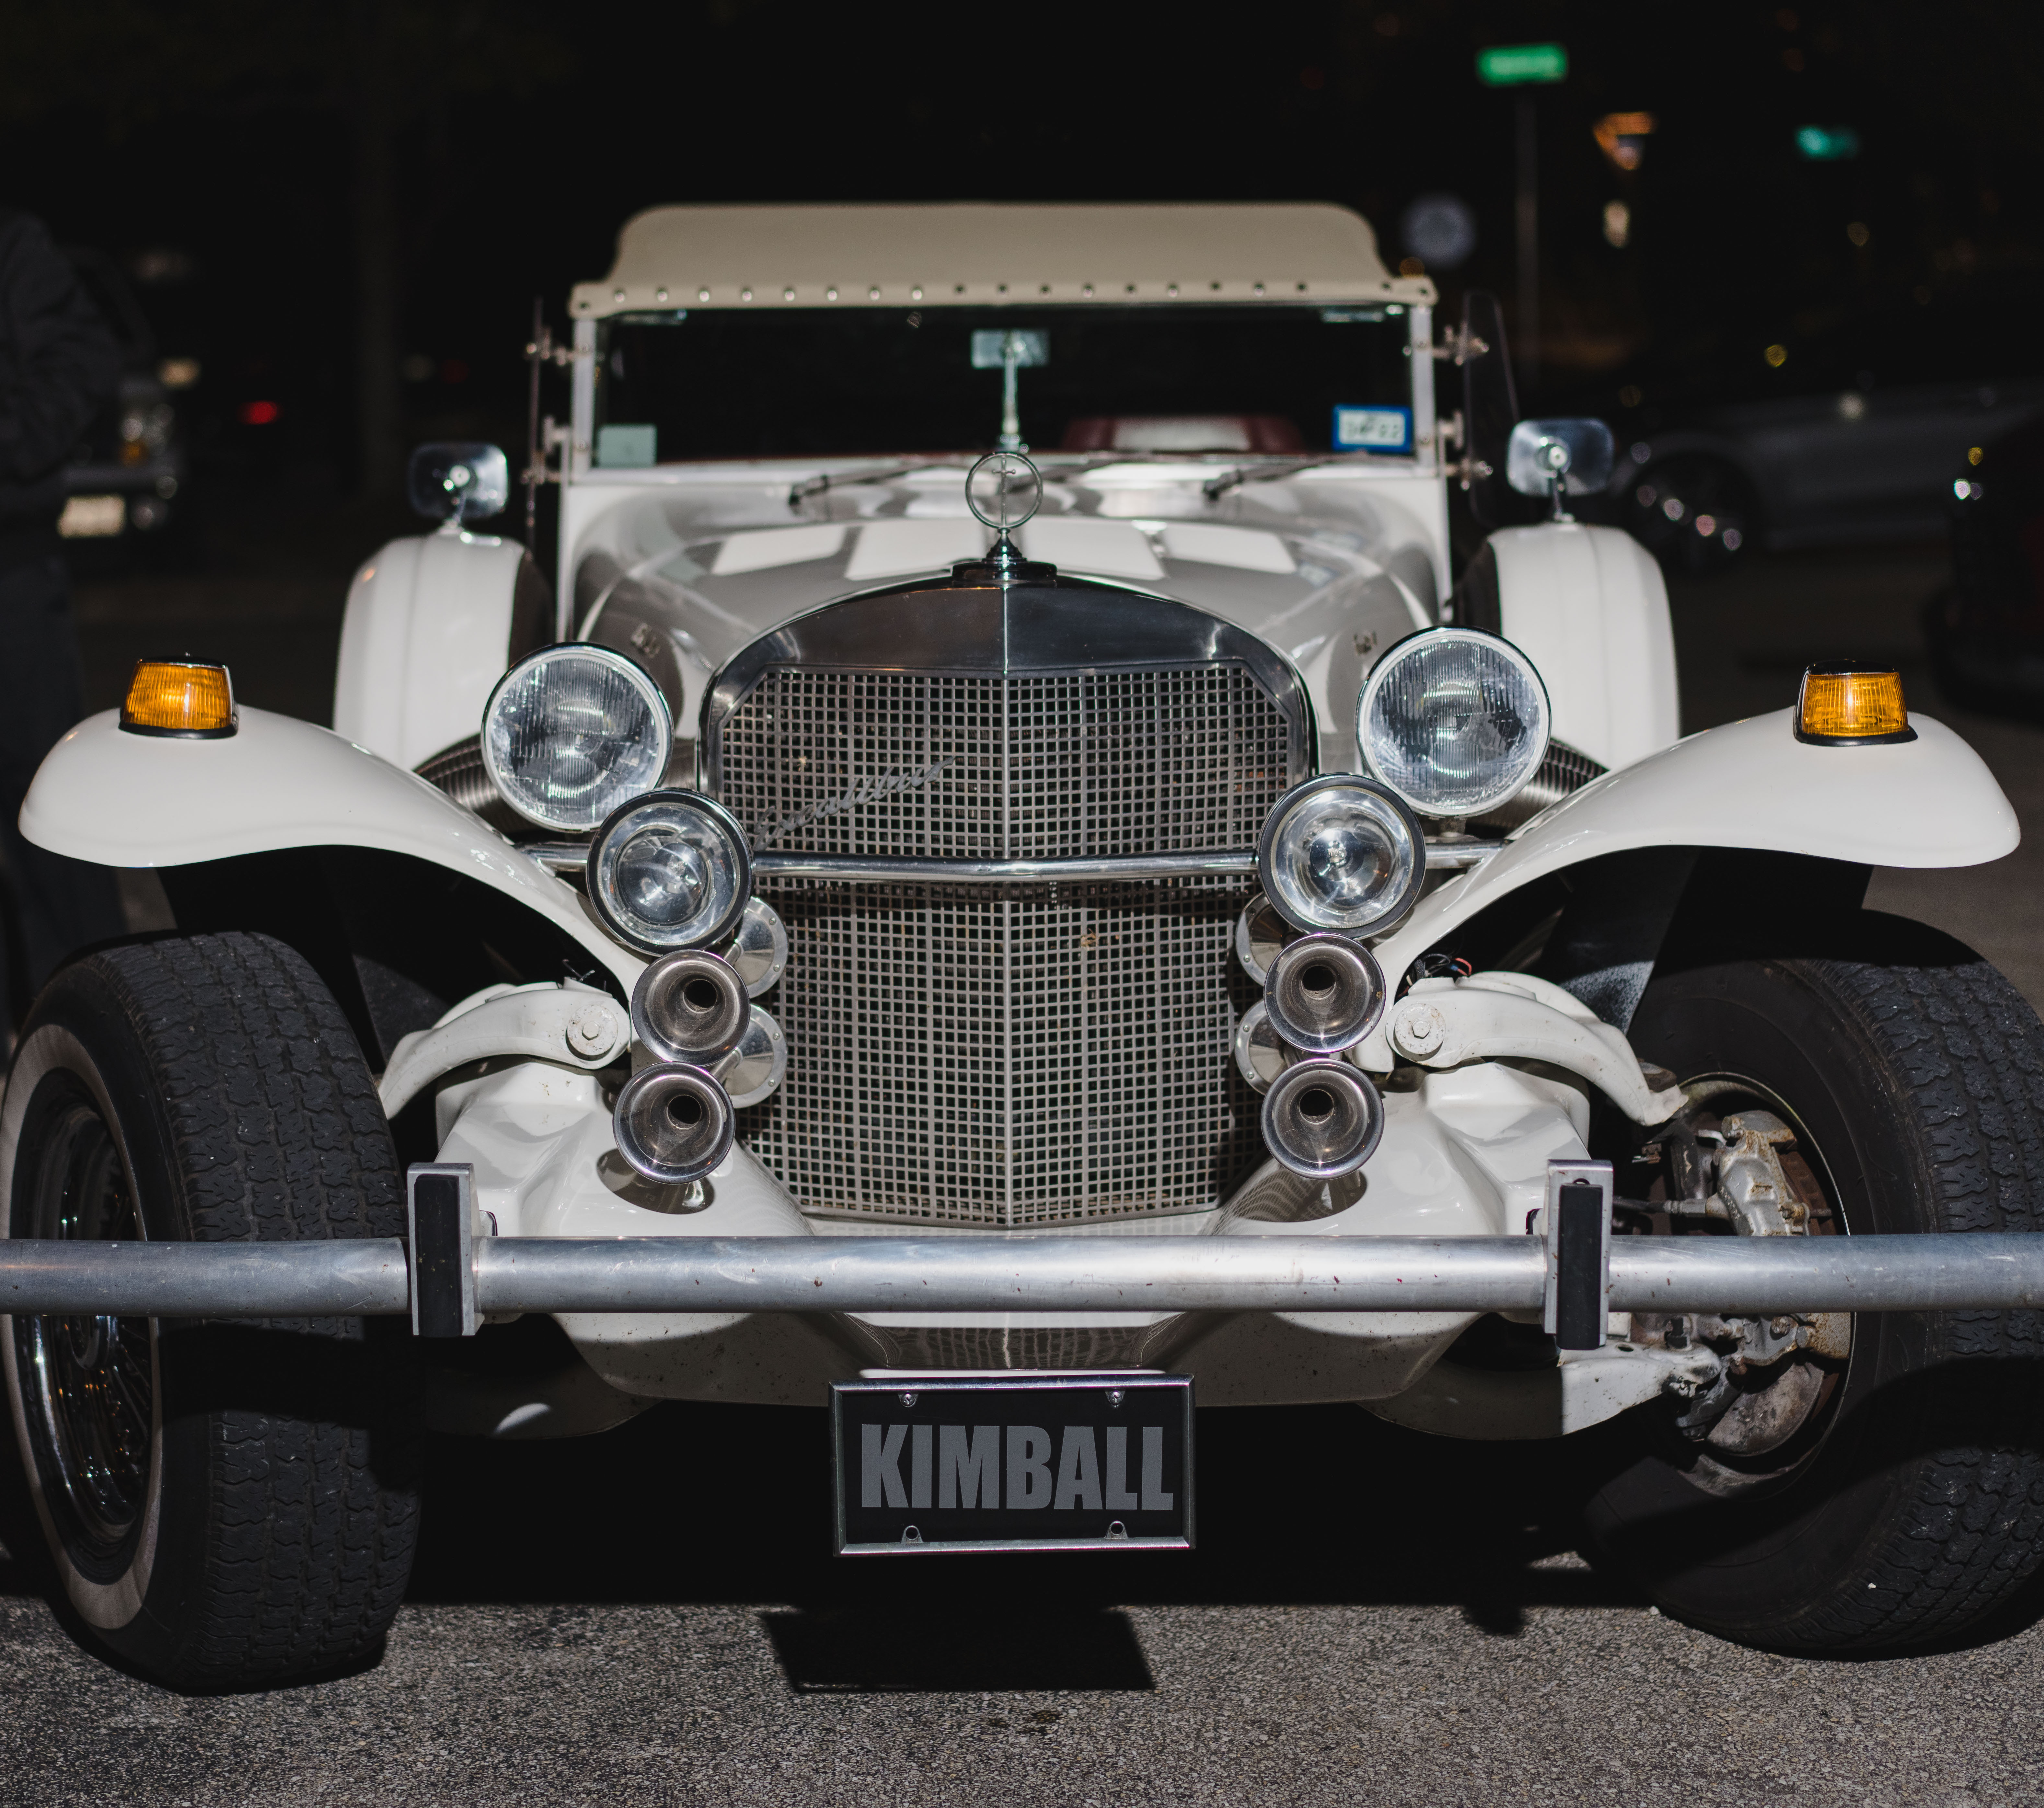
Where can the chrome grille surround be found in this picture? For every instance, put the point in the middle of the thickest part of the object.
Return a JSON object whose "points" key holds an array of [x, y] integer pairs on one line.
{"points": [[1014, 1054]]}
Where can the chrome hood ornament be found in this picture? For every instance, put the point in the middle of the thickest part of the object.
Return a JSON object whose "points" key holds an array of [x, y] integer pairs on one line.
{"points": [[1004, 489]]}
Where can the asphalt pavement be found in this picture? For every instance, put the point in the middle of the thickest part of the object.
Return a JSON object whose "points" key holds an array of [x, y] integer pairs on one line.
{"points": [[1372, 1617]]}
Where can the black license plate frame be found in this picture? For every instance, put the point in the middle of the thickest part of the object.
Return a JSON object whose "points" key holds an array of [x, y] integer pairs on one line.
{"points": [[879, 1477]]}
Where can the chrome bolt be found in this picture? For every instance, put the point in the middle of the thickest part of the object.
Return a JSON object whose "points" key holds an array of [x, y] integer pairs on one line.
{"points": [[907, 1399], [1115, 1396]]}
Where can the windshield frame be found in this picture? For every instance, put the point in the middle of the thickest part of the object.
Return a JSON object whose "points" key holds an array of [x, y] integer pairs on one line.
{"points": [[1420, 454]]}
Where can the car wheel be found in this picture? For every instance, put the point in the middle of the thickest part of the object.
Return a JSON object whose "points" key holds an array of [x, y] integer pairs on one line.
{"points": [[221, 1504], [1883, 1486], [1693, 512]]}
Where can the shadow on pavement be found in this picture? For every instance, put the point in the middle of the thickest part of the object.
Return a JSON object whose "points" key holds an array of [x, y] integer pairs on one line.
{"points": [[705, 1503], [957, 1647]]}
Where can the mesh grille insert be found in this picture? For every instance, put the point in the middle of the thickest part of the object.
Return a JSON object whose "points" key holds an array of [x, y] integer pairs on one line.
{"points": [[1044, 766], [989, 1055]]}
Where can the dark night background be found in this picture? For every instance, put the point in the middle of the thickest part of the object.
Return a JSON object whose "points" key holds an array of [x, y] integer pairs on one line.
{"points": [[346, 210]]}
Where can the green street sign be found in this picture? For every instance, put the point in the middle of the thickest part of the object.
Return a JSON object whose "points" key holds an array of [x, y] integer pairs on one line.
{"points": [[1510, 65]]}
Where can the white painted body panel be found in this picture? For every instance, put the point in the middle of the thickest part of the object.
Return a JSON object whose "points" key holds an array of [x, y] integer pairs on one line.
{"points": [[1465, 1154], [123, 800], [423, 642], [1329, 566], [1589, 607], [1928, 802]]}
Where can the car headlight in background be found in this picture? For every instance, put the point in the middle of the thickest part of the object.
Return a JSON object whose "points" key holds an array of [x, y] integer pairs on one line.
{"points": [[1341, 853], [1453, 720], [669, 869], [572, 732]]}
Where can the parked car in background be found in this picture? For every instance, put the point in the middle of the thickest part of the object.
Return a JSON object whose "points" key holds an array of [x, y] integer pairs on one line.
{"points": [[1986, 631], [1808, 470], [128, 472], [1790, 428]]}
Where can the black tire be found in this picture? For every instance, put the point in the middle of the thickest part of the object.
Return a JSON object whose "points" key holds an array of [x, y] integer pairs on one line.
{"points": [[222, 1506], [1693, 512], [1911, 1506]]}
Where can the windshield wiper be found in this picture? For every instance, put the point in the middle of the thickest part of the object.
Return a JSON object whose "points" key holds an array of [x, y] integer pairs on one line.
{"points": [[1219, 486], [810, 486]]}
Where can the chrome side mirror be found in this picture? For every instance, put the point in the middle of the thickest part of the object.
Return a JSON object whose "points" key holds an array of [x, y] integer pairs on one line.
{"points": [[1550, 458], [458, 481]]}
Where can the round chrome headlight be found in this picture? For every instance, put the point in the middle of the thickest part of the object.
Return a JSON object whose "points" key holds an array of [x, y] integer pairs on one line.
{"points": [[670, 870], [1341, 853], [1453, 720], [571, 732]]}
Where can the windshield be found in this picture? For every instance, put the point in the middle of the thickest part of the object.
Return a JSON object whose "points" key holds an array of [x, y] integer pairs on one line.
{"points": [[818, 382]]}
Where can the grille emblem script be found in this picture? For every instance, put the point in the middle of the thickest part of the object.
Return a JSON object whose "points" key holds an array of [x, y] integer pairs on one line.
{"points": [[888, 785]]}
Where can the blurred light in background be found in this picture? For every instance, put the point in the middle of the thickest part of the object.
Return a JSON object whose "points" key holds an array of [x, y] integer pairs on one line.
{"points": [[1622, 137], [1827, 144], [258, 413], [1617, 224], [1776, 355], [1440, 230], [1857, 232], [177, 373]]}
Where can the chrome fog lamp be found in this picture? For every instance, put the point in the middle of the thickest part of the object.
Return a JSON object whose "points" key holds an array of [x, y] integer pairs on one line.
{"points": [[1453, 720], [1341, 853], [572, 732], [670, 870]]}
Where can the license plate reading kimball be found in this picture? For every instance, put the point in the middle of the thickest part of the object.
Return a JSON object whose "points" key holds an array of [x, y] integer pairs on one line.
{"points": [[1050, 1462]]}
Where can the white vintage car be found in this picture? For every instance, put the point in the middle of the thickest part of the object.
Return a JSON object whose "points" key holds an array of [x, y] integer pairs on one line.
{"points": [[1005, 882]]}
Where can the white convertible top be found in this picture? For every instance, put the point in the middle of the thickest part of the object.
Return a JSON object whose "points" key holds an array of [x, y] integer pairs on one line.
{"points": [[804, 256]]}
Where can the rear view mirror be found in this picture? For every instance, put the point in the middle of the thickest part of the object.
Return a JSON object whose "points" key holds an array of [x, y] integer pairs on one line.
{"points": [[459, 480], [1552, 457]]}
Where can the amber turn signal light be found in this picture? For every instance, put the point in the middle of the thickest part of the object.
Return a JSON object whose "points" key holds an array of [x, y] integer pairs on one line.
{"points": [[1851, 706], [181, 698]]}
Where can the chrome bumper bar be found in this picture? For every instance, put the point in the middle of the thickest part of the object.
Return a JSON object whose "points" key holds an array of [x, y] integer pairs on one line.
{"points": [[1008, 1274]]}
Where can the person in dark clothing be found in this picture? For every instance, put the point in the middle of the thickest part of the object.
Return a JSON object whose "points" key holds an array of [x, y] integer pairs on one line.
{"points": [[58, 365]]}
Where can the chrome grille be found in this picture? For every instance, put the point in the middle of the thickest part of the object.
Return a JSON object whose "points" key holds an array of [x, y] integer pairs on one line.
{"points": [[1008, 1055], [1031, 766]]}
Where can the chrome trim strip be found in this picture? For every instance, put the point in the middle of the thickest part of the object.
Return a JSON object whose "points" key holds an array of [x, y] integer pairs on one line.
{"points": [[875, 871], [564, 858]]}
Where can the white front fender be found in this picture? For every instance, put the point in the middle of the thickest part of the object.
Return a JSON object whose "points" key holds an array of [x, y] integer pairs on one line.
{"points": [[1928, 802], [121, 800]]}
